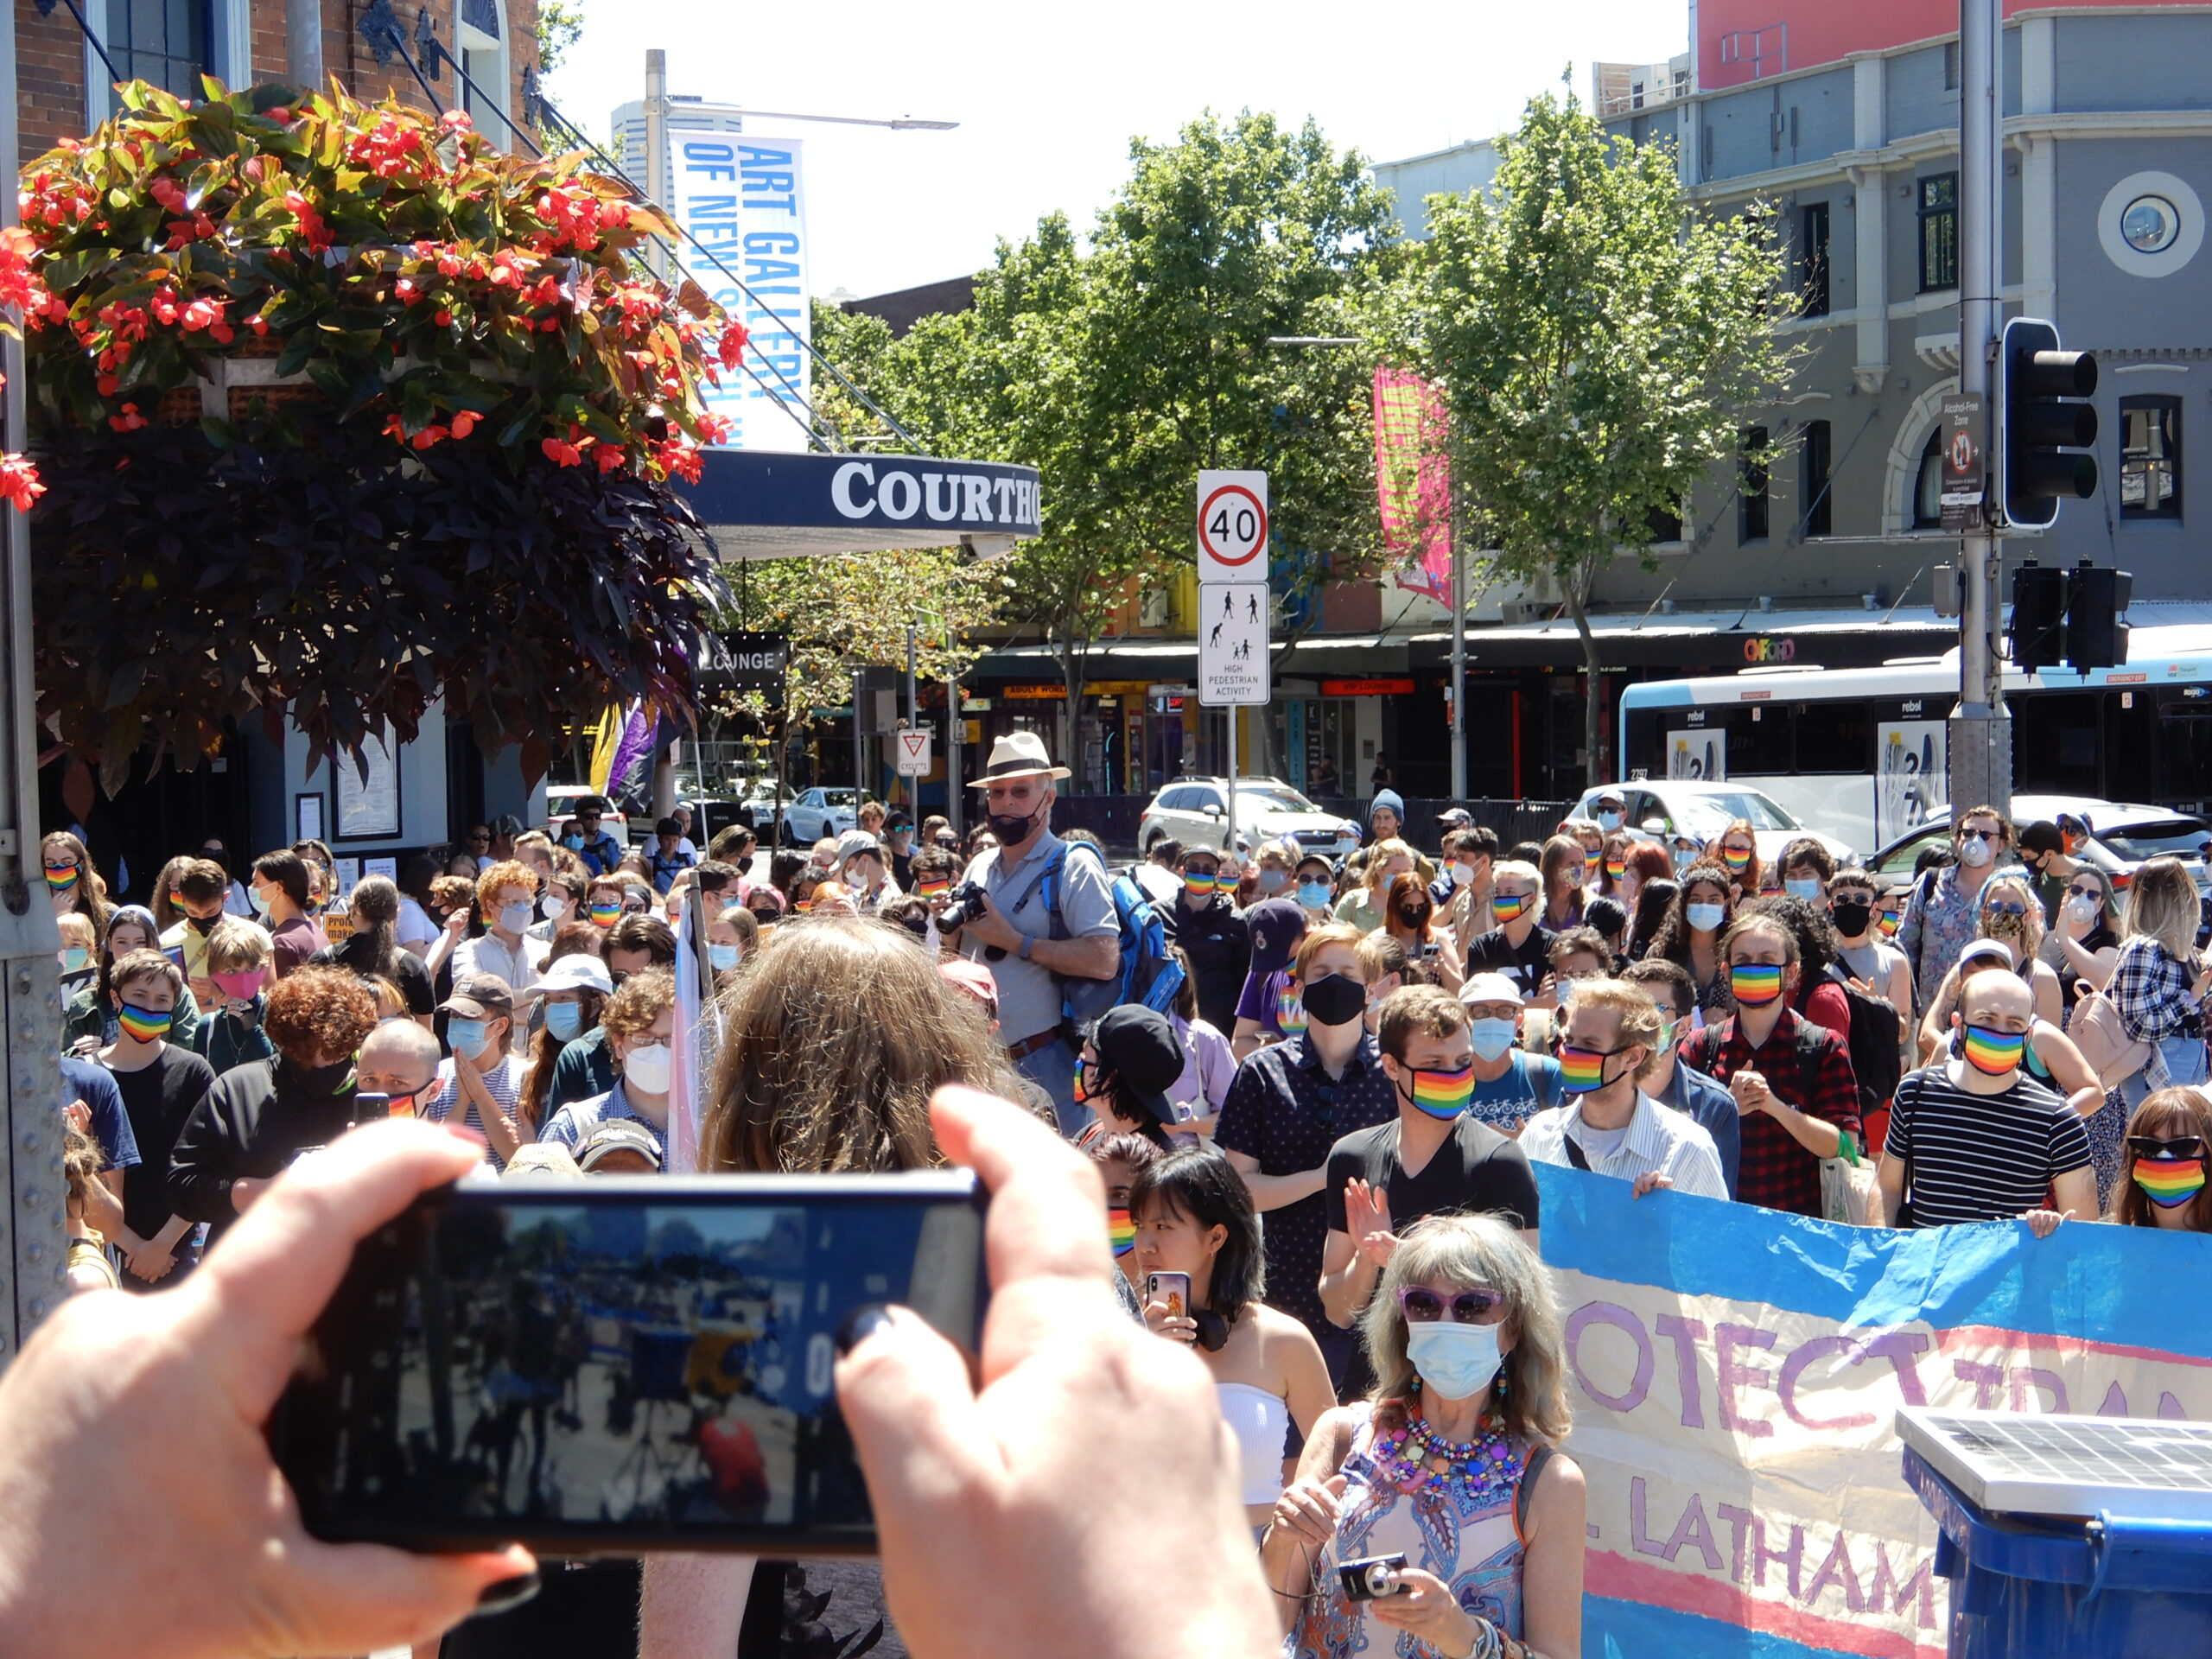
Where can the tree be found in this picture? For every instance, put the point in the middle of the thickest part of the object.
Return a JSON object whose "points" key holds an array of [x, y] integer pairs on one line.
{"points": [[559, 23], [1596, 341]]}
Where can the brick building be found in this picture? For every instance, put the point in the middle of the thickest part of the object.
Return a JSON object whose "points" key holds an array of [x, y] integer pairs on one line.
{"points": [[173, 43]]}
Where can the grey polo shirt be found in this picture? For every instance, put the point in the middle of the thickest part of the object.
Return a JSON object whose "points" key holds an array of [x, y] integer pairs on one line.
{"points": [[1029, 994]]}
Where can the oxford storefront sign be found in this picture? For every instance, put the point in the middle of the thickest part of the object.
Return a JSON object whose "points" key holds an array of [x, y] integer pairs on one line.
{"points": [[761, 505]]}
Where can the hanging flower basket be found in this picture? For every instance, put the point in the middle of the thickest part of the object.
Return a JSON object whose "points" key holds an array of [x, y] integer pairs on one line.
{"points": [[341, 409]]}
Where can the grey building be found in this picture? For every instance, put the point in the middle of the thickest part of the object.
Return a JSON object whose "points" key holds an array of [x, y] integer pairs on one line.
{"points": [[2107, 168]]}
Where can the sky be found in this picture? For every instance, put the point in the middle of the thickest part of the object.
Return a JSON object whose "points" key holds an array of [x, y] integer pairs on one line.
{"points": [[1048, 97]]}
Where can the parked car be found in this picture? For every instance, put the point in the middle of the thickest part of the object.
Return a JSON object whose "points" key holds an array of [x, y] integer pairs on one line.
{"points": [[2123, 835], [1666, 807], [561, 801], [1195, 811], [814, 813]]}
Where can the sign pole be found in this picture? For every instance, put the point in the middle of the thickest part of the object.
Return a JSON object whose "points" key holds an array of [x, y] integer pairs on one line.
{"points": [[1981, 732], [1229, 842], [913, 724], [952, 814], [656, 168]]}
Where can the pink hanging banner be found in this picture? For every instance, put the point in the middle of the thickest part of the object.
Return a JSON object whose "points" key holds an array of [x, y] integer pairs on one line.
{"points": [[1412, 482]]}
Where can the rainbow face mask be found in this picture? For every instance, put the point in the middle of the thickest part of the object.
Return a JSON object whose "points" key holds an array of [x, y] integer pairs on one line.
{"points": [[1290, 1011], [933, 887], [1582, 1071], [2170, 1182], [60, 878], [1886, 922], [1755, 984], [144, 1024], [1504, 907], [1992, 1053], [1591, 861], [607, 914], [1615, 869], [1080, 1088], [1121, 1231], [1442, 1094], [1199, 886], [1738, 862]]}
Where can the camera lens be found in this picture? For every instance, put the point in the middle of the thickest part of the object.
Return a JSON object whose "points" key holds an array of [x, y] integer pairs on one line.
{"points": [[1378, 1580]]}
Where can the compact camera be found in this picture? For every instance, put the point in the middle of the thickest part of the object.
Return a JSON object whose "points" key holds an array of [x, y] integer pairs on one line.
{"points": [[1372, 1579], [962, 905]]}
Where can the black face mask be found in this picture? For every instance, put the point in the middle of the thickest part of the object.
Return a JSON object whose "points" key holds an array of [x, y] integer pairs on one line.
{"points": [[1334, 1000], [203, 925], [321, 1081], [1010, 830], [1413, 918], [1851, 917]]}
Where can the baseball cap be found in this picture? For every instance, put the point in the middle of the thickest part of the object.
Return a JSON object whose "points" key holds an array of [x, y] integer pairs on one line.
{"points": [[1275, 926], [1455, 817], [1995, 951], [2076, 823], [2042, 836], [1604, 795], [1139, 1046], [480, 996], [543, 1160], [580, 972], [619, 1135], [1490, 987], [857, 840]]}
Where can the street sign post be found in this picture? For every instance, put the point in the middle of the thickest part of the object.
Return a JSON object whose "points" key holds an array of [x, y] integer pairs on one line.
{"points": [[1233, 611], [914, 753]]}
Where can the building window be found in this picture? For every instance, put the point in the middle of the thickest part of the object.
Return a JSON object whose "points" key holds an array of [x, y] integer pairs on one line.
{"points": [[484, 62], [1662, 525], [1813, 462], [1751, 490], [1950, 65], [1813, 258], [1928, 484], [169, 42], [2150, 457], [1939, 233]]}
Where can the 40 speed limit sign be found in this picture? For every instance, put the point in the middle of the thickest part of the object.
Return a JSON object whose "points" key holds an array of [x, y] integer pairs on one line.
{"points": [[1233, 527]]}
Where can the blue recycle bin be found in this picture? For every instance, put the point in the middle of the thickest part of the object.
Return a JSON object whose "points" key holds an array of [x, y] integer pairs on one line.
{"points": [[2027, 1586]]}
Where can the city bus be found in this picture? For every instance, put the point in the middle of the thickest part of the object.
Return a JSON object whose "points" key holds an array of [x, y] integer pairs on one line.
{"points": [[1861, 753]]}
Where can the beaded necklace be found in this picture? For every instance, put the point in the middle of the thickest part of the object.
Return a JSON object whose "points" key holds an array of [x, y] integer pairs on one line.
{"points": [[1485, 1470]]}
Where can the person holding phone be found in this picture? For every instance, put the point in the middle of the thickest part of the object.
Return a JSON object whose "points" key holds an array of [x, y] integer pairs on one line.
{"points": [[399, 1060], [1197, 1246], [1449, 1462]]}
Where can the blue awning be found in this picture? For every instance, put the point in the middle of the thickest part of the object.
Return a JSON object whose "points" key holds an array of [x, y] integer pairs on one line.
{"points": [[762, 504]]}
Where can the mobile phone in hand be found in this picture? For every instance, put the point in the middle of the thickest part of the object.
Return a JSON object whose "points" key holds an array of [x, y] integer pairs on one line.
{"points": [[1172, 1288], [617, 1365]]}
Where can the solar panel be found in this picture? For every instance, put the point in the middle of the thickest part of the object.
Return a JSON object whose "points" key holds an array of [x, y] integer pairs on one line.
{"points": [[2011, 1462]]}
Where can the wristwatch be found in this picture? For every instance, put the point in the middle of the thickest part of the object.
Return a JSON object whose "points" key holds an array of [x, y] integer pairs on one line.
{"points": [[1025, 947]]}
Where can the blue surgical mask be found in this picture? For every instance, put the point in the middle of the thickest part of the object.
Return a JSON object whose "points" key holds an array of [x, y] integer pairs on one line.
{"points": [[1492, 1037], [564, 1020], [721, 958], [574, 843], [1609, 822], [1802, 886], [75, 959], [514, 918], [1273, 881], [1706, 917], [1456, 1360], [1314, 895], [466, 1036]]}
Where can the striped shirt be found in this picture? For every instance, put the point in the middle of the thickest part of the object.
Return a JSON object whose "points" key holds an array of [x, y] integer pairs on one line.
{"points": [[1657, 1141], [1972, 1157], [502, 1081]]}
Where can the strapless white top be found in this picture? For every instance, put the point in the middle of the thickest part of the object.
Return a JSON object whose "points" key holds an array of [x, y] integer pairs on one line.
{"points": [[1260, 1422]]}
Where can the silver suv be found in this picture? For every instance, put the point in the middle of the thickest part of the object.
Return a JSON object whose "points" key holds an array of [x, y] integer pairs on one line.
{"points": [[1195, 811]]}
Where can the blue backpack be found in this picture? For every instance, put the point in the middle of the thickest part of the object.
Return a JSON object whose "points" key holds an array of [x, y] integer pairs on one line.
{"points": [[1148, 974]]}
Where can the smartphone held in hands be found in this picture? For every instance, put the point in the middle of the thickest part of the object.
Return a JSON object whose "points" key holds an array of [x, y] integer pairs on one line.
{"points": [[1172, 1288], [617, 1365]]}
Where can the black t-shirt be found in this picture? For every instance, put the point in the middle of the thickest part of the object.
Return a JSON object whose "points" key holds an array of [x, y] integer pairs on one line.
{"points": [[1493, 953], [1476, 1170], [1981, 1157], [157, 1099], [1219, 945], [356, 954]]}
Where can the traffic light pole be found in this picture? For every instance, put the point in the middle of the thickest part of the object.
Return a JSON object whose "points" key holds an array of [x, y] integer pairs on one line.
{"points": [[1981, 730]]}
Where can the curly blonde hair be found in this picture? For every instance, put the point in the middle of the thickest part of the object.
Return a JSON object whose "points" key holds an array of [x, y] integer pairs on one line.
{"points": [[1531, 1392]]}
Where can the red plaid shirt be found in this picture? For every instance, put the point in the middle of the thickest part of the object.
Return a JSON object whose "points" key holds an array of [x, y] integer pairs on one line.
{"points": [[1807, 1067]]}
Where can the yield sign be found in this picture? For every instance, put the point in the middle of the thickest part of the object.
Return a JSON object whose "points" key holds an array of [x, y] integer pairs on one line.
{"points": [[913, 754]]}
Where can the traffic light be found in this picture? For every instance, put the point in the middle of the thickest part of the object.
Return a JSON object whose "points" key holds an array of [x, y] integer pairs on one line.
{"points": [[2038, 632], [2095, 599], [2041, 418]]}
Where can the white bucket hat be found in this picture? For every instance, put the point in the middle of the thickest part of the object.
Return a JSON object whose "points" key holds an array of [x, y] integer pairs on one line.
{"points": [[1018, 755]]}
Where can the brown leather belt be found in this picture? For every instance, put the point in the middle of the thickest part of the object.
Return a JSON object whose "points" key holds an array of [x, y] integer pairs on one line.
{"points": [[1028, 1045]]}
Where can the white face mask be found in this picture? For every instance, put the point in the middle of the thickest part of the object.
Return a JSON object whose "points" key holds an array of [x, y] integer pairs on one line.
{"points": [[1456, 1360], [1704, 918], [555, 907], [648, 1068], [1973, 852], [514, 918], [1461, 875], [2082, 911]]}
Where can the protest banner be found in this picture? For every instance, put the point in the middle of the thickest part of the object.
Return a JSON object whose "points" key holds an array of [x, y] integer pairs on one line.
{"points": [[1735, 1373]]}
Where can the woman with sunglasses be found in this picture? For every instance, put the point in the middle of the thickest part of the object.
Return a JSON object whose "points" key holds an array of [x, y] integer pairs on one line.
{"points": [[1690, 936], [2160, 980], [1193, 1215], [2087, 946], [2163, 1181], [1410, 919], [1450, 1463], [2010, 915]]}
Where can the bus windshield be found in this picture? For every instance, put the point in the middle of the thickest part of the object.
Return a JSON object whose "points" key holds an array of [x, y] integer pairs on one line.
{"points": [[1706, 815]]}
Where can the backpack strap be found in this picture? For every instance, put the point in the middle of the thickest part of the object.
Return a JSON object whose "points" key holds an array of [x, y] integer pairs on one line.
{"points": [[1524, 1493], [1575, 1155]]}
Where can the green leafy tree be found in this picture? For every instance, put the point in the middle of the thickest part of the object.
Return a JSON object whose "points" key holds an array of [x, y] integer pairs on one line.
{"points": [[1596, 342], [559, 23]]}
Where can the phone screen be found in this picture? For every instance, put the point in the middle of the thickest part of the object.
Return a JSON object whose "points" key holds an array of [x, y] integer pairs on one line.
{"points": [[623, 1363]]}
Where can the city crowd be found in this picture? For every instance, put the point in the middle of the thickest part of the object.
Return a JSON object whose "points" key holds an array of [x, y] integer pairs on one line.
{"points": [[1310, 1095]]}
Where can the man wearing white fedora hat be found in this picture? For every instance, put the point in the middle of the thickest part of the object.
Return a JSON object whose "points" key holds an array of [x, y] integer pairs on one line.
{"points": [[1047, 916]]}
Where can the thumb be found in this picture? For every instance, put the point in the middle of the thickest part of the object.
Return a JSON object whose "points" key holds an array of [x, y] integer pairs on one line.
{"points": [[913, 1414], [1335, 1486]]}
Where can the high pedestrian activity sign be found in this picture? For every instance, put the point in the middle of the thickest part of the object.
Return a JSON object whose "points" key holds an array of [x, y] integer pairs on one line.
{"points": [[1233, 605]]}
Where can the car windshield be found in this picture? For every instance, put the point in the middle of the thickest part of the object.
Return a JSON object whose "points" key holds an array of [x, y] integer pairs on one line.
{"points": [[1275, 798], [838, 797], [2135, 841], [1707, 815]]}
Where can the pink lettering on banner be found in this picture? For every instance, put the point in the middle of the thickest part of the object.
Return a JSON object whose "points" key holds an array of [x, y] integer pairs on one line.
{"points": [[1920, 1586], [1621, 1320], [1987, 1380], [1793, 1369], [1836, 1570], [1730, 1374], [1739, 1520], [1684, 1334], [2027, 1380], [1793, 1558]]}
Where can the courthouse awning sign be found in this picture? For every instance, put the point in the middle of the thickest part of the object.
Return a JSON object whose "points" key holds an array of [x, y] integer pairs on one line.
{"points": [[760, 505]]}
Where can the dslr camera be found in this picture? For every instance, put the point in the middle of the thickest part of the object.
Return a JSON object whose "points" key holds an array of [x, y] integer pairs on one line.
{"points": [[1372, 1579], [963, 905]]}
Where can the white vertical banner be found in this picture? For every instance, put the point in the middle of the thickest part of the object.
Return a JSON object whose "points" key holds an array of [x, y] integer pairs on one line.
{"points": [[742, 197]]}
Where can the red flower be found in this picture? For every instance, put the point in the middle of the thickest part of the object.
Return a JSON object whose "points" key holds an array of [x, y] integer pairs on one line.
{"points": [[443, 318], [279, 114], [455, 121], [19, 482], [464, 421], [107, 386], [730, 347], [130, 420], [566, 454], [610, 457], [428, 435]]}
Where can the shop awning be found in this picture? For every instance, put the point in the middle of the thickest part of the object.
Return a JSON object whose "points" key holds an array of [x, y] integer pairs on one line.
{"points": [[761, 504]]}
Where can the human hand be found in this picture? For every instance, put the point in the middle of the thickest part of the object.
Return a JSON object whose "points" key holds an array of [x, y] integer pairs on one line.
{"points": [[1177, 1327], [152, 1261], [78, 1116], [243, 1192], [84, 1048], [1307, 1510], [1367, 1218], [204, 991], [1546, 995], [2044, 1223], [177, 1388], [991, 927], [457, 924], [1425, 1608], [1082, 1429], [1650, 1181], [1750, 1092]]}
